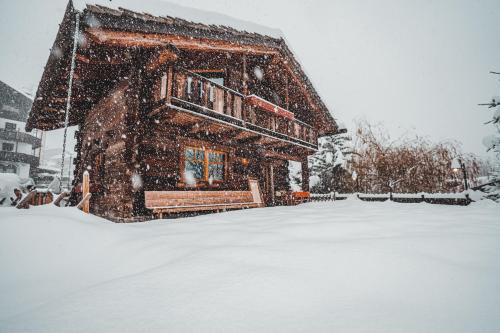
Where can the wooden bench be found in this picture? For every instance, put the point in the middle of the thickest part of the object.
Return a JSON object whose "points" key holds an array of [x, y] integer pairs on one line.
{"points": [[161, 202]]}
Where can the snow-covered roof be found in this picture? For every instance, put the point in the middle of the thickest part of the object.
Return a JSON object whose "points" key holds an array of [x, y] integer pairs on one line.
{"points": [[14, 104], [167, 9]]}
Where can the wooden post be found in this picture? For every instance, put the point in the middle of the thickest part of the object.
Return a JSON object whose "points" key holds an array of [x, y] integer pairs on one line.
{"points": [[305, 175], [287, 101], [86, 191], [271, 183], [245, 76], [84, 201], [170, 77]]}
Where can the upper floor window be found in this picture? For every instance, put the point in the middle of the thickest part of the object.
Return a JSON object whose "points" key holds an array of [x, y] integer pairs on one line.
{"points": [[6, 146], [10, 126]]}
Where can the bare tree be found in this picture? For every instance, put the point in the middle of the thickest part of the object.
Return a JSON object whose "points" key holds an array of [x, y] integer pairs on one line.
{"points": [[407, 164]]}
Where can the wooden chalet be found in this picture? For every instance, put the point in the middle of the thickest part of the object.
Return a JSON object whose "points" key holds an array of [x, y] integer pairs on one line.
{"points": [[175, 116]]}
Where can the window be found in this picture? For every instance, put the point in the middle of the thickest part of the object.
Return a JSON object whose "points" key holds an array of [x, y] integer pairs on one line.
{"points": [[216, 165], [194, 163], [7, 146], [10, 126], [204, 164]]}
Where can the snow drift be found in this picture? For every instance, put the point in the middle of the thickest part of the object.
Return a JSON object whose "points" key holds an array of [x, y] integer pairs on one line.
{"points": [[347, 266]]}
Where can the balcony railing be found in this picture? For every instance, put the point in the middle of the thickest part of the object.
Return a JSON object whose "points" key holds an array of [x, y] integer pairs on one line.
{"points": [[13, 156], [255, 113], [21, 137]]}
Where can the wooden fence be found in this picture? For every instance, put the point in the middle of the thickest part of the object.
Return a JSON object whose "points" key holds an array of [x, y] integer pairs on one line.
{"points": [[442, 199]]}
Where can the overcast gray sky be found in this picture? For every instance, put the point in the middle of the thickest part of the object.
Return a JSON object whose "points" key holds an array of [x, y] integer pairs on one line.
{"points": [[417, 65]]}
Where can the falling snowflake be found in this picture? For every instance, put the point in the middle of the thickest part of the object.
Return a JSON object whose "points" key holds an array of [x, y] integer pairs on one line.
{"points": [[136, 181], [259, 74]]}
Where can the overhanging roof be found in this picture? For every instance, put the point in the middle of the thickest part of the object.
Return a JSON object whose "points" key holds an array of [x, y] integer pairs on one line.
{"points": [[99, 18]]}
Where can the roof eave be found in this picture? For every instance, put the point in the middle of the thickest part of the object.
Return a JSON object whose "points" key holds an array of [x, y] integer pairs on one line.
{"points": [[59, 59]]}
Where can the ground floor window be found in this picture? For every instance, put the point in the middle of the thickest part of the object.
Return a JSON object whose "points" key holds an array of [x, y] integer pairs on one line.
{"points": [[204, 164]]}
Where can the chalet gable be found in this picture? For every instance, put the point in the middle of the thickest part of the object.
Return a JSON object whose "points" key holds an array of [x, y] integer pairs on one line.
{"points": [[130, 33]]}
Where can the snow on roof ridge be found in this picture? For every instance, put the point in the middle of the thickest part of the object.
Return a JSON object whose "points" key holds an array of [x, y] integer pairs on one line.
{"points": [[18, 90], [175, 11]]}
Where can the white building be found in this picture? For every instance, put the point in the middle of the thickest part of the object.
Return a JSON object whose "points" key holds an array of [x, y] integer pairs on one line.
{"points": [[19, 150]]}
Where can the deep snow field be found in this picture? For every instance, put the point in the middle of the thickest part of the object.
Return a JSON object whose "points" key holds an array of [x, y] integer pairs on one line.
{"points": [[348, 266]]}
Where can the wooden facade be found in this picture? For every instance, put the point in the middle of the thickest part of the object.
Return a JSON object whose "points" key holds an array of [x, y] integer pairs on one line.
{"points": [[167, 105]]}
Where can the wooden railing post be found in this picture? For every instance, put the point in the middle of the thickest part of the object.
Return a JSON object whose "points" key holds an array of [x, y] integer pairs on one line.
{"points": [[170, 77], [85, 191]]}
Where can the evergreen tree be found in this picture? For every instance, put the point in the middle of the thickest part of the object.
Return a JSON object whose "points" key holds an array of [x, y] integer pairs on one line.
{"points": [[329, 164]]}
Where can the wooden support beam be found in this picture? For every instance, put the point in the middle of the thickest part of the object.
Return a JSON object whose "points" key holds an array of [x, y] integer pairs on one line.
{"points": [[200, 127], [160, 58], [277, 143], [265, 140], [244, 135], [305, 175], [62, 100], [109, 58], [148, 40], [198, 71], [230, 133], [250, 140], [290, 152]]}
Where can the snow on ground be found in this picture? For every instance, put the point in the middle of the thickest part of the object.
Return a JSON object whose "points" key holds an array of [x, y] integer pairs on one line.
{"points": [[348, 266]]}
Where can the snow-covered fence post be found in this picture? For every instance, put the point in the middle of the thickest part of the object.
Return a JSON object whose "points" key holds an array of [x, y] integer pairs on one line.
{"points": [[86, 191]]}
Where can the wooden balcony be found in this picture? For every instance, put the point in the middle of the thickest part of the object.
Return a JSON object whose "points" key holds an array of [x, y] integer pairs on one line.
{"points": [[190, 91]]}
